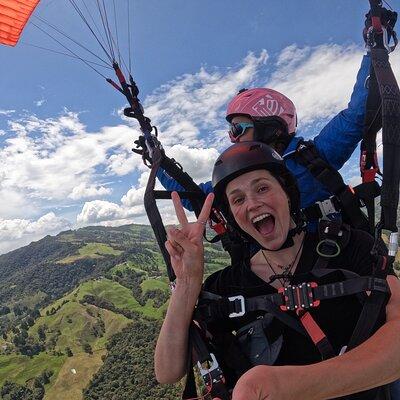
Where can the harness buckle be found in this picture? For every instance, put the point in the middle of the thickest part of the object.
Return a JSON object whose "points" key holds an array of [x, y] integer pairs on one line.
{"points": [[328, 206], [299, 297], [239, 311], [212, 373]]}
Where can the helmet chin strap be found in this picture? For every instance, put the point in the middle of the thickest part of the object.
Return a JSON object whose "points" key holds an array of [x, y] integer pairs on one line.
{"points": [[272, 135], [300, 227]]}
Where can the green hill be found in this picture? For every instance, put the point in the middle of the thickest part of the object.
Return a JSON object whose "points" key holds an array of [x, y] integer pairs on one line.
{"points": [[68, 304]]}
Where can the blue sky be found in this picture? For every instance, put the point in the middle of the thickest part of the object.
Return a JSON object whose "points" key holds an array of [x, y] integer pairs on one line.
{"points": [[65, 158]]}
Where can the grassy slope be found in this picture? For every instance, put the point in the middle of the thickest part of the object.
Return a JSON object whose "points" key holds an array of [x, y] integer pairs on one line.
{"points": [[21, 369], [152, 284], [68, 385], [75, 321], [91, 250]]}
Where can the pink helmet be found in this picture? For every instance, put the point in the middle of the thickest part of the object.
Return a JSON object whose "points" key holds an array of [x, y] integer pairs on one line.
{"points": [[260, 103]]}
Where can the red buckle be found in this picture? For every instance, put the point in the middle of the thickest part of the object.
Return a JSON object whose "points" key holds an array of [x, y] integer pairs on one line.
{"points": [[219, 228], [368, 175], [299, 297], [217, 222]]}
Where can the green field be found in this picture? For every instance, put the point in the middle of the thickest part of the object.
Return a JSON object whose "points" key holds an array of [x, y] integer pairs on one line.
{"points": [[127, 265], [21, 369], [75, 375], [91, 250], [68, 323], [152, 284]]}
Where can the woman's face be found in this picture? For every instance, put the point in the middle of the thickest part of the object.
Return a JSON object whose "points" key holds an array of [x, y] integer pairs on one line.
{"points": [[260, 207]]}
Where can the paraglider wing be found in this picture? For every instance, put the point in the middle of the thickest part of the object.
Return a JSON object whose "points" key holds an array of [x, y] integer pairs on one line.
{"points": [[14, 15]]}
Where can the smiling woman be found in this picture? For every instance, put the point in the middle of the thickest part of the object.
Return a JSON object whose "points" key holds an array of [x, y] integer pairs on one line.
{"points": [[235, 178]]}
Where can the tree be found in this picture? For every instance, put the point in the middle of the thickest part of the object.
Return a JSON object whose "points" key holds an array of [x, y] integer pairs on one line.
{"points": [[42, 333], [69, 352], [87, 348], [24, 326], [4, 310]]}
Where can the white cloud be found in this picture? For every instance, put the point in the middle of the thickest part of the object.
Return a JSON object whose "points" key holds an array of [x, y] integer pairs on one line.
{"points": [[197, 162], [134, 197], [98, 211], [52, 159], [319, 80], [122, 163], [15, 233], [84, 191], [181, 108], [40, 102], [7, 113], [13, 204]]}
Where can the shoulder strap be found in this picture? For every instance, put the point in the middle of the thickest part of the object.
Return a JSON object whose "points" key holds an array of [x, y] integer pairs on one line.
{"points": [[345, 199]]}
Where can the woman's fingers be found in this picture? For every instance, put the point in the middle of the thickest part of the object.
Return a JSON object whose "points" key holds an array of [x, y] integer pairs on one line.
{"points": [[178, 239], [206, 210], [173, 250], [180, 212]]}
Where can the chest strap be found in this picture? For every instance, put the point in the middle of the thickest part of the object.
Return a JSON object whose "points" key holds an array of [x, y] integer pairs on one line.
{"points": [[295, 298], [301, 297]]}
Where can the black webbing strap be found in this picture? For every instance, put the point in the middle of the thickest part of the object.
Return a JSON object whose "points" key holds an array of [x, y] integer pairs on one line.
{"points": [[192, 192], [317, 335], [232, 307], [369, 167], [221, 308], [189, 390], [383, 110], [300, 298], [368, 192], [390, 95], [307, 155], [153, 213], [373, 306], [306, 326], [212, 375]]}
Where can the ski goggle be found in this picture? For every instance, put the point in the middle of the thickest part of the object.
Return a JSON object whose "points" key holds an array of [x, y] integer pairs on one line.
{"points": [[238, 129]]}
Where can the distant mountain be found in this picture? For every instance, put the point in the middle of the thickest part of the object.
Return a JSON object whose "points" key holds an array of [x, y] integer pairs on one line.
{"points": [[80, 313]]}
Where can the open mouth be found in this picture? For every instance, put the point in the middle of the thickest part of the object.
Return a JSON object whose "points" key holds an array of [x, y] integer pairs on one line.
{"points": [[264, 223]]}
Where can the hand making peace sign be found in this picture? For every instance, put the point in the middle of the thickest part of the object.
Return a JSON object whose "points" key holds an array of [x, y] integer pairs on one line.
{"points": [[185, 244]]}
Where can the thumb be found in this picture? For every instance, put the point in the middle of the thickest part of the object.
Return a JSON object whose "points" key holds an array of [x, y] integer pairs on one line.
{"points": [[245, 391]]}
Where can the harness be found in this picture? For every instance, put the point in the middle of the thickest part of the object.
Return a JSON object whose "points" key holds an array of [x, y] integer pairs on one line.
{"points": [[291, 305]]}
